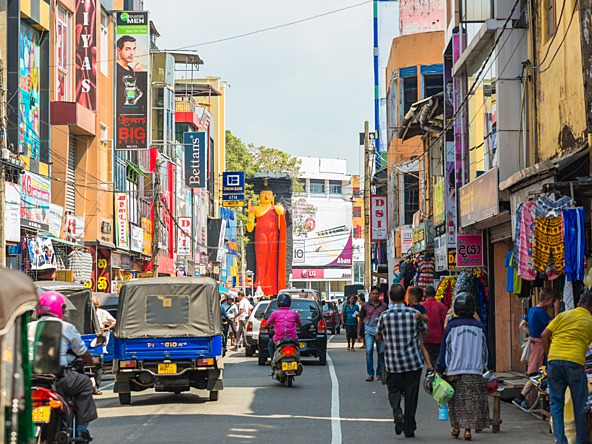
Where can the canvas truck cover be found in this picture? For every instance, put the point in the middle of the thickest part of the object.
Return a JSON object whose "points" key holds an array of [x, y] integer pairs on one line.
{"points": [[169, 307], [17, 295], [80, 310]]}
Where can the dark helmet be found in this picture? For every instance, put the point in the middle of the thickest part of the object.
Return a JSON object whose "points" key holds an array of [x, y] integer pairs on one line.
{"points": [[464, 305], [284, 300]]}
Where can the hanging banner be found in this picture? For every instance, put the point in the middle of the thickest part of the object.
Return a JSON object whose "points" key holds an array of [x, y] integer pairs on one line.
{"points": [[29, 112], [75, 229], [439, 209], [184, 236], [35, 200], [41, 253], [440, 253], [147, 239], [195, 159], [131, 80], [12, 222], [378, 217], [121, 221], [469, 251], [450, 193], [103, 276], [137, 239], [86, 53], [406, 239]]}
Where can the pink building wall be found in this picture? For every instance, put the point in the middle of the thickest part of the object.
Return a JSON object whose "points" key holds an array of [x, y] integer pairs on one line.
{"points": [[422, 16]]}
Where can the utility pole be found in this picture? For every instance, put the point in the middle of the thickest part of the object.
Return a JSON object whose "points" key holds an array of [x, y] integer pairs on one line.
{"points": [[243, 258], [156, 206], [367, 256], [3, 150]]}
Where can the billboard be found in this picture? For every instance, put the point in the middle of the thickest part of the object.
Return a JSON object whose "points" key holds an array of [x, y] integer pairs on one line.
{"points": [[378, 217], [195, 159], [35, 201], [86, 53], [326, 240], [131, 80], [184, 236], [29, 110]]}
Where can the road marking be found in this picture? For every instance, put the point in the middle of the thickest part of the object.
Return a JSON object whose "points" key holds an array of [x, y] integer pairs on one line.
{"points": [[108, 386], [335, 419]]}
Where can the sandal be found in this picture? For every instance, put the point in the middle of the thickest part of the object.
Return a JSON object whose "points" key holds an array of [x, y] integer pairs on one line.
{"points": [[379, 378], [348, 349], [353, 349], [97, 392], [455, 432], [370, 378], [468, 436]]}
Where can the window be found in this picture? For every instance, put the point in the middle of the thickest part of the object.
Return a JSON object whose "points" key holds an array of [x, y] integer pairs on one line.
{"points": [[167, 310], [410, 197], [409, 93], [317, 186], [104, 43], [63, 58], [550, 18], [334, 187], [357, 212], [105, 155], [432, 85]]}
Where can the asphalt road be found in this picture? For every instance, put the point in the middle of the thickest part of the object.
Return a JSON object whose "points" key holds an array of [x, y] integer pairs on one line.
{"points": [[253, 408]]}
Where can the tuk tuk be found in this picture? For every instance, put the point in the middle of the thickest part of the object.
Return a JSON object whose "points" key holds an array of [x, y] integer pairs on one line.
{"points": [[17, 299], [168, 337]]}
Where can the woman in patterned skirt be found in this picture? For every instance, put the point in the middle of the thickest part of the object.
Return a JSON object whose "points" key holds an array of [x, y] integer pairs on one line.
{"points": [[463, 359]]}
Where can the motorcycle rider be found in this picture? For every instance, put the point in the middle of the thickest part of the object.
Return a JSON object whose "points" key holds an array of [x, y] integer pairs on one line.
{"points": [[51, 307], [286, 320]]}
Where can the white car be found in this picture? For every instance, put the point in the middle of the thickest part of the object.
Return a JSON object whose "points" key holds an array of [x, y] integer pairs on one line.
{"points": [[252, 330]]}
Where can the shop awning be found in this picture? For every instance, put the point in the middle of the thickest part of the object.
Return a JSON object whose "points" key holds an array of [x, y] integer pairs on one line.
{"points": [[62, 241]]}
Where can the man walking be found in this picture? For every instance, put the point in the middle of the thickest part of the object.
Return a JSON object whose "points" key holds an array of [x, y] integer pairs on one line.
{"points": [[369, 314], [244, 310], [400, 330], [436, 312], [565, 342]]}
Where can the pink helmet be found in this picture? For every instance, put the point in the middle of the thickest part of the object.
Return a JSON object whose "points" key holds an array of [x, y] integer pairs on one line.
{"points": [[51, 303]]}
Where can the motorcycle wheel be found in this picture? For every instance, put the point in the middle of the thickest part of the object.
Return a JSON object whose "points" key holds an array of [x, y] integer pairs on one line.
{"points": [[214, 395], [289, 380], [125, 398]]}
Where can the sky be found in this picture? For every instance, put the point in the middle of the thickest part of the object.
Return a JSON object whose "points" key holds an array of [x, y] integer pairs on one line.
{"points": [[306, 89]]}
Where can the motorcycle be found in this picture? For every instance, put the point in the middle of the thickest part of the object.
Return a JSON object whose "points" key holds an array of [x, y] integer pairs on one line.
{"points": [[286, 363]]}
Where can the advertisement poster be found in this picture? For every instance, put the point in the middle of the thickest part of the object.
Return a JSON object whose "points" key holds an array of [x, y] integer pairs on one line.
{"points": [[406, 239], [131, 80], [41, 253], [450, 195], [195, 159], [29, 111], [101, 277], [121, 222], [184, 236], [469, 250], [35, 200], [378, 217], [439, 202], [12, 224], [86, 53], [55, 220], [440, 253], [137, 239], [75, 229], [147, 239]]}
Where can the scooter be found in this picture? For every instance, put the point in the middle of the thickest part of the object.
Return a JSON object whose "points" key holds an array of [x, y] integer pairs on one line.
{"points": [[286, 363]]}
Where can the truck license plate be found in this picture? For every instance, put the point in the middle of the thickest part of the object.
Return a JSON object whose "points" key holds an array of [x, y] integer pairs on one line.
{"points": [[289, 366], [41, 414], [167, 369]]}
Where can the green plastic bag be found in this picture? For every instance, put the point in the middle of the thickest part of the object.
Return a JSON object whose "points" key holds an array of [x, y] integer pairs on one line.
{"points": [[442, 391]]}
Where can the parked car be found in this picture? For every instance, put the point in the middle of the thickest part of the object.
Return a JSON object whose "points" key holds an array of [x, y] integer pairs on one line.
{"points": [[303, 293], [332, 317], [253, 324], [312, 336]]}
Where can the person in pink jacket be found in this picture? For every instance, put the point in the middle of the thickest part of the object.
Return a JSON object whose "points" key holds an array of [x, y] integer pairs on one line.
{"points": [[285, 322]]}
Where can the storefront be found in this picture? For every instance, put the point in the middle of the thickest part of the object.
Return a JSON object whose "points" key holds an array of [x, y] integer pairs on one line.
{"points": [[330, 282]]}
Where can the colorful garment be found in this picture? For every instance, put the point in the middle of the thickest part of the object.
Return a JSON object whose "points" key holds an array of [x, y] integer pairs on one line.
{"points": [[548, 240], [544, 205], [509, 272], [426, 273], [574, 226], [525, 266]]}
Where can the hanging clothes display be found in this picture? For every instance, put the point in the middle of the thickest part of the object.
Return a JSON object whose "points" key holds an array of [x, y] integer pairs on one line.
{"points": [[545, 205], [508, 263], [548, 240], [426, 268], [445, 291], [81, 263], [574, 225], [525, 266]]}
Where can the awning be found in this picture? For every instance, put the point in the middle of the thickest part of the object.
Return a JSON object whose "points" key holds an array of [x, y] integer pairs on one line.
{"points": [[62, 241]]}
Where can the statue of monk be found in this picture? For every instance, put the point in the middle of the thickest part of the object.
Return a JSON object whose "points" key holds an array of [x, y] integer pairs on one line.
{"points": [[269, 222]]}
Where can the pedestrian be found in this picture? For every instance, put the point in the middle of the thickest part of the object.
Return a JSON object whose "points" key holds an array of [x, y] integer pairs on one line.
{"points": [[407, 271], [534, 323], [107, 323], [244, 310], [231, 311], [436, 312], [565, 342], [415, 295], [362, 328], [464, 357], [349, 319], [369, 314], [399, 329]]}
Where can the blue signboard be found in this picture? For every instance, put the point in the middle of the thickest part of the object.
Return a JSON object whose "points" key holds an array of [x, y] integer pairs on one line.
{"points": [[195, 159], [233, 186]]}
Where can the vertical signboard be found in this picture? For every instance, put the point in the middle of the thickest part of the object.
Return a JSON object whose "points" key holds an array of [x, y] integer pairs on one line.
{"points": [[406, 239], [378, 217], [12, 222], [184, 237], [439, 202], [450, 195], [86, 53], [469, 250], [121, 225], [75, 229], [131, 80], [101, 274], [195, 159], [29, 134]]}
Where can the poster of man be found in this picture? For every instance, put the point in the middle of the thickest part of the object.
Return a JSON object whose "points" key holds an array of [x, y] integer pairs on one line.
{"points": [[132, 78]]}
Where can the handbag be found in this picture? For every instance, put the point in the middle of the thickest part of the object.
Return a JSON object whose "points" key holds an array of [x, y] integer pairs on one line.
{"points": [[442, 391], [525, 351]]}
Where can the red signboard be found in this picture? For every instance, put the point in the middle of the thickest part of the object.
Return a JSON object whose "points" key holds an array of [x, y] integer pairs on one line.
{"points": [[101, 276], [378, 217], [308, 273], [86, 53]]}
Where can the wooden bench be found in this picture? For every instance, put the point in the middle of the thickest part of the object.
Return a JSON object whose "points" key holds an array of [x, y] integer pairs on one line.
{"points": [[496, 421]]}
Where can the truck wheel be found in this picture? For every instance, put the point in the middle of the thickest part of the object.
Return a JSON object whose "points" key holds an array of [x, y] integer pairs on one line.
{"points": [[261, 359], [214, 395], [323, 359], [125, 398], [249, 351]]}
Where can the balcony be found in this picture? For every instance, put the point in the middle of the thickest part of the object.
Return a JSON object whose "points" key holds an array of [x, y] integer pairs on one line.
{"points": [[81, 120]]}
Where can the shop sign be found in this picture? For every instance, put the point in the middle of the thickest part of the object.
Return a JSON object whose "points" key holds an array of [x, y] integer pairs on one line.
{"points": [[101, 278], [126, 261], [147, 240], [137, 239], [184, 236], [452, 259], [469, 250], [439, 209], [75, 229], [406, 239], [35, 201], [41, 253], [378, 217], [121, 215], [29, 112], [440, 253], [131, 80], [86, 49], [116, 260], [419, 237], [450, 193], [479, 199], [12, 223], [55, 220], [195, 159]]}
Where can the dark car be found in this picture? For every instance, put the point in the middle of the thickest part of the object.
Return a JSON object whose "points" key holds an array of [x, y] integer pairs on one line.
{"points": [[331, 316], [312, 336], [302, 293]]}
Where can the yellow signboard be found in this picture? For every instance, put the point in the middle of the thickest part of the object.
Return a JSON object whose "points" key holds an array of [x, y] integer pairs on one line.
{"points": [[439, 202], [233, 203]]}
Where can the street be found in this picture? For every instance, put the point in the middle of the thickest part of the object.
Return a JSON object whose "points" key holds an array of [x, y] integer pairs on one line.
{"points": [[255, 408]]}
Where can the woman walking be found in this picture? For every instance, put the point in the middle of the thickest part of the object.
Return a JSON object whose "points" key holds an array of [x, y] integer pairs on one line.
{"points": [[463, 359], [349, 318]]}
